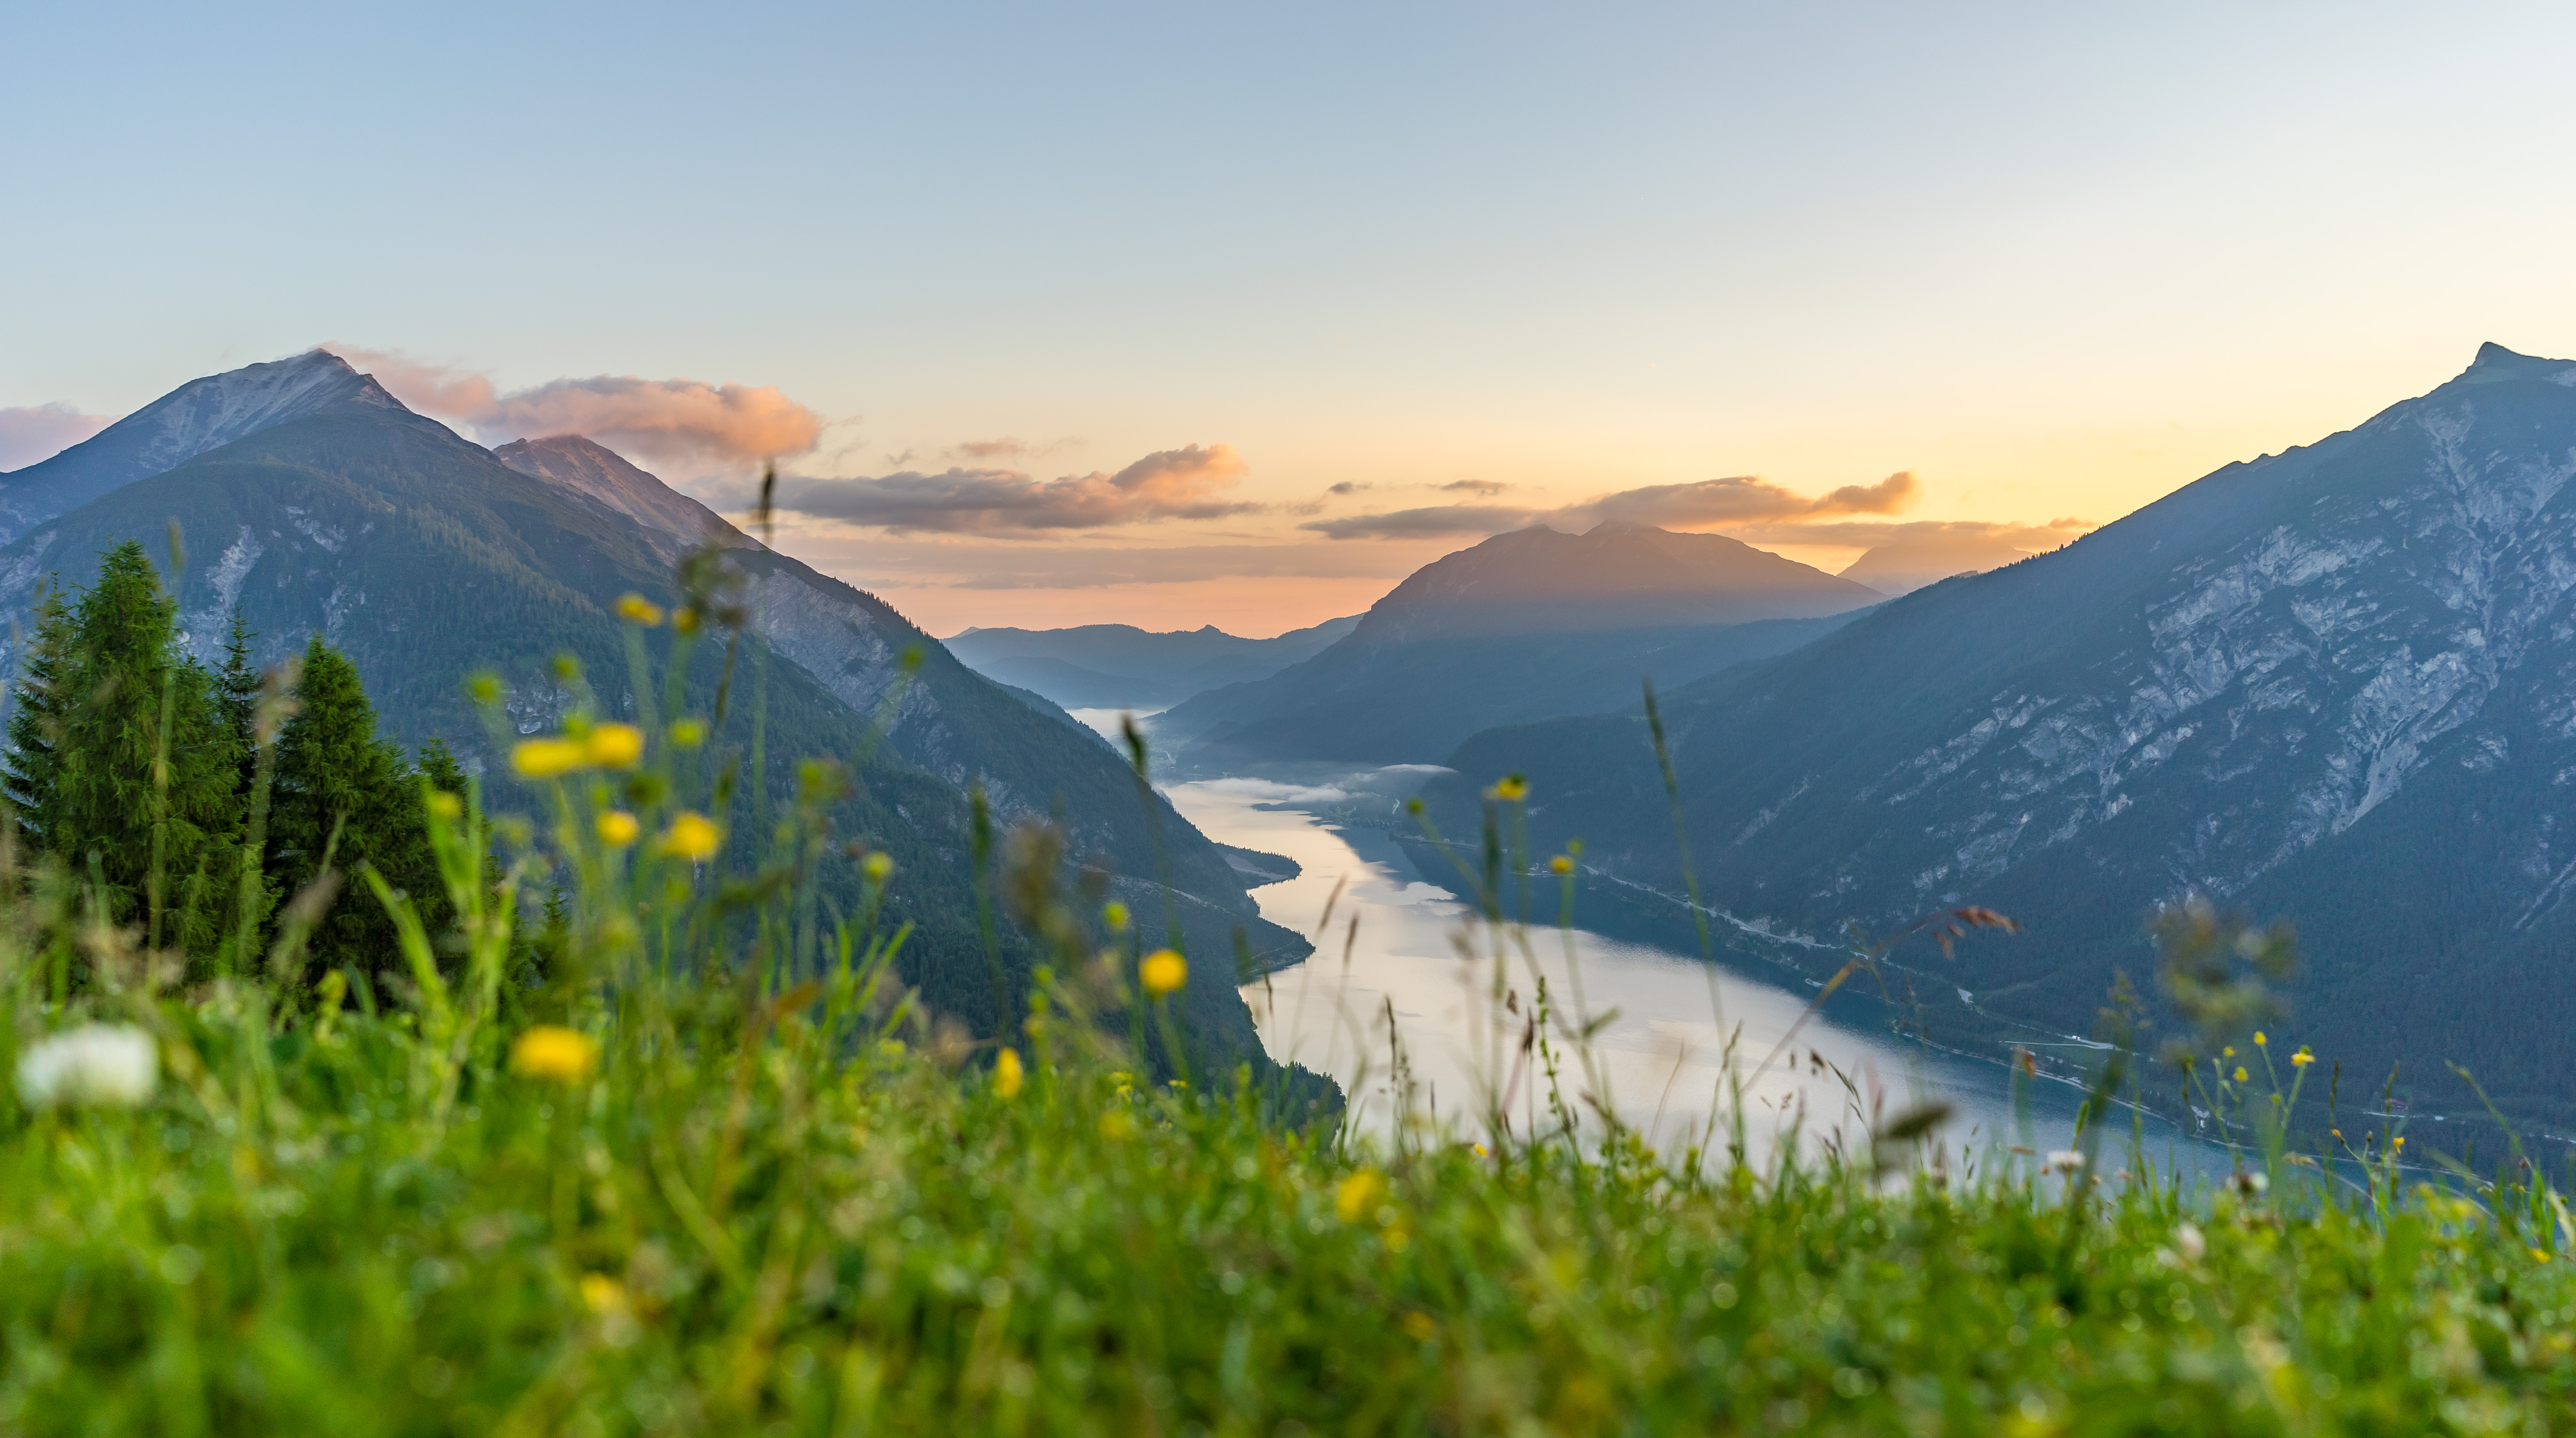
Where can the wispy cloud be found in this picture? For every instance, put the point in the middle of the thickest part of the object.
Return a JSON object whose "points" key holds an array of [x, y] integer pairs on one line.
{"points": [[975, 562], [36, 432], [1184, 483], [1003, 448], [1736, 500], [1487, 487], [1431, 522], [668, 422]]}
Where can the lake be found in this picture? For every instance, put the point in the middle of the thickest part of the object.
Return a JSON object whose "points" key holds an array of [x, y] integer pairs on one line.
{"points": [[1661, 1055]]}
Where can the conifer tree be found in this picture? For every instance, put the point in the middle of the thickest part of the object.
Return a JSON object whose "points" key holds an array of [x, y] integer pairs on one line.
{"points": [[34, 778], [333, 772], [159, 846], [237, 691], [439, 768]]}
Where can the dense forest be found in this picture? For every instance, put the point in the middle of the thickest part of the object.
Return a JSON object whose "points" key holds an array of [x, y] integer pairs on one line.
{"points": [[139, 769]]}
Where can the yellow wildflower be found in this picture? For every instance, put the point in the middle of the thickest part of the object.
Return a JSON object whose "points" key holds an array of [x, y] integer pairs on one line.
{"points": [[1561, 864], [2240, 1073], [1358, 1197], [445, 805], [2397, 1143], [617, 828], [1114, 914], [1163, 971], [685, 620], [877, 866], [640, 610], [1512, 789], [484, 688], [1007, 1073], [2259, 1040], [2302, 1058], [601, 1293], [616, 746], [545, 758], [688, 733], [691, 836], [2228, 1052], [551, 1051]]}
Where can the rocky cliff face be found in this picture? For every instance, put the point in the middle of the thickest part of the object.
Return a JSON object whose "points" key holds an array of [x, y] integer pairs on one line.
{"points": [[2337, 684]]}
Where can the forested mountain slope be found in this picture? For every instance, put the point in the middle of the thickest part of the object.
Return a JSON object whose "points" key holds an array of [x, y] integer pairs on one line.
{"points": [[426, 558], [2336, 684]]}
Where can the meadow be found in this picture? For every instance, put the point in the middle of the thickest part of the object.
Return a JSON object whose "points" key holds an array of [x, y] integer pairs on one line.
{"points": [[641, 1138]]}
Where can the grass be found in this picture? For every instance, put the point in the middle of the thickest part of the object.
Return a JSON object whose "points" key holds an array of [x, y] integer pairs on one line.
{"points": [[712, 1172]]}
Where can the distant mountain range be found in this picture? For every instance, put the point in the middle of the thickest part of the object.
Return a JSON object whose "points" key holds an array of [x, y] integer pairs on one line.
{"points": [[316, 503], [1118, 666], [1527, 625], [2336, 684]]}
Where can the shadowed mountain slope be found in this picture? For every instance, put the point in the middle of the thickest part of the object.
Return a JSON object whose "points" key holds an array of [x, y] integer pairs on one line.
{"points": [[426, 558], [2336, 684]]}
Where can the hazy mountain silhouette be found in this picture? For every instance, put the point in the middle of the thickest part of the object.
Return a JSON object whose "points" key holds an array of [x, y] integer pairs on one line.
{"points": [[1113, 666], [1526, 625]]}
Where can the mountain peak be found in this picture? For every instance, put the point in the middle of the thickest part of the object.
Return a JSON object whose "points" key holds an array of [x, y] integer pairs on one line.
{"points": [[198, 416], [2494, 361], [673, 522]]}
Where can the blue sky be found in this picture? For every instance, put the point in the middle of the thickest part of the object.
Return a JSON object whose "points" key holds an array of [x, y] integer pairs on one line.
{"points": [[2052, 260]]}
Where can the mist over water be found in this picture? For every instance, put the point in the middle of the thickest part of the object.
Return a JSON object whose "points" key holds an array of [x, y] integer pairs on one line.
{"points": [[1393, 945]]}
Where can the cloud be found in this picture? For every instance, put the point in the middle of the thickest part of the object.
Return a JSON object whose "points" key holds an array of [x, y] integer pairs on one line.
{"points": [[1179, 483], [1003, 448], [1348, 486], [1703, 503], [1869, 534], [1432, 522], [660, 421], [981, 563], [1479, 486], [41, 431], [1743, 497]]}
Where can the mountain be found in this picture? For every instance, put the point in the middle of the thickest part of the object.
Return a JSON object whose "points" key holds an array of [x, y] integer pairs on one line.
{"points": [[426, 557], [2336, 685], [1119, 666], [1527, 625], [1905, 565], [188, 421], [673, 523]]}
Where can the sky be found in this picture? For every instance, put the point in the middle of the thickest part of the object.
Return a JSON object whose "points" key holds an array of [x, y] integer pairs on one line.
{"points": [[1216, 313]]}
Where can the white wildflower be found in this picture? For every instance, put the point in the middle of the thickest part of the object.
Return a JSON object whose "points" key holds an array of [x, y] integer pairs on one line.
{"points": [[100, 1065], [2065, 1160], [2189, 1243]]}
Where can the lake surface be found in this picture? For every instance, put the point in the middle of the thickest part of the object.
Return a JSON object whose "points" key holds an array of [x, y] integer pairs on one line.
{"points": [[1662, 1058]]}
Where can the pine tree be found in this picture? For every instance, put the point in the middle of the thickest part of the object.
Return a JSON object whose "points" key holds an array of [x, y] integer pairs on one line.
{"points": [[334, 773], [34, 777], [439, 767], [159, 848], [237, 687]]}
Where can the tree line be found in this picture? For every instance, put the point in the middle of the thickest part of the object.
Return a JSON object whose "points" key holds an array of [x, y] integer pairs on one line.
{"points": [[190, 802]]}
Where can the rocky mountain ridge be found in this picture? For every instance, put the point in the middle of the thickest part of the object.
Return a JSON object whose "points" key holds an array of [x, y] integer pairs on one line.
{"points": [[2336, 684]]}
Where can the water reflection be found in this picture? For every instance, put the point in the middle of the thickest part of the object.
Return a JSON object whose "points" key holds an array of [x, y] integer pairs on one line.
{"points": [[1662, 1058]]}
